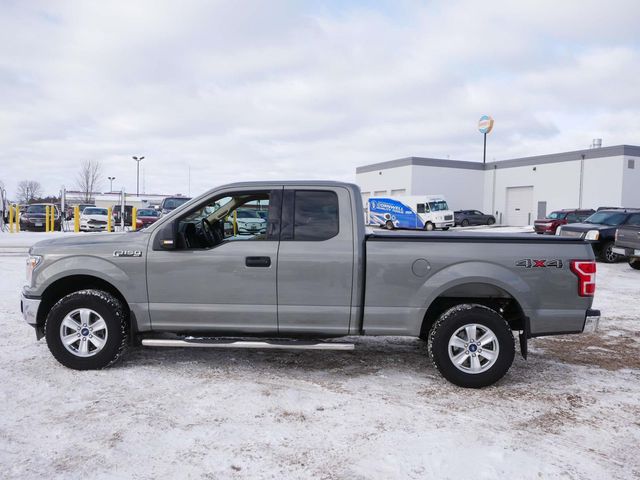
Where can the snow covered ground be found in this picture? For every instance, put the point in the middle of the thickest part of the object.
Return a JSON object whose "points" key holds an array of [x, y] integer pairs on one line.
{"points": [[382, 411]]}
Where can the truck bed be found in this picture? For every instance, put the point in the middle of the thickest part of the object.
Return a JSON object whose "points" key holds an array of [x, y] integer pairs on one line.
{"points": [[406, 271]]}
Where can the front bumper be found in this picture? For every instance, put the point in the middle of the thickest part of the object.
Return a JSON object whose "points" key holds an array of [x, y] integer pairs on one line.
{"points": [[448, 223], [29, 307], [626, 252], [93, 227], [591, 321]]}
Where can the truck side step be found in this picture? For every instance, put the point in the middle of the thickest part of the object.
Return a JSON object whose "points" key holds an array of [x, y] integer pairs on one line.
{"points": [[267, 345]]}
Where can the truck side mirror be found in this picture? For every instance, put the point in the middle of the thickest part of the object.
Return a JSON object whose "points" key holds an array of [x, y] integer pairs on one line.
{"points": [[165, 239]]}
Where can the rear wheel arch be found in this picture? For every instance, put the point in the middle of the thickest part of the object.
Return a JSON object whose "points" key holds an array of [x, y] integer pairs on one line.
{"points": [[485, 294]]}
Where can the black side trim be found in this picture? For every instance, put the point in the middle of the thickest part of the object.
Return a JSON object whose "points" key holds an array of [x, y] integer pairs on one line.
{"points": [[32, 297], [550, 334], [592, 313]]}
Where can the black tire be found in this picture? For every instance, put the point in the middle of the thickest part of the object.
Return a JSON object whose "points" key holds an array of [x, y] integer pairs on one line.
{"points": [[491, 221], [607, 255], [444, 229], [389, 225], [458, 317], [464, 223], [105, 305], [429, 226], [634, 263]]}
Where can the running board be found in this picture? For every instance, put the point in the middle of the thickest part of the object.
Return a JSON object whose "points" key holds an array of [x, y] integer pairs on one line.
{"points": [[269, 345]]}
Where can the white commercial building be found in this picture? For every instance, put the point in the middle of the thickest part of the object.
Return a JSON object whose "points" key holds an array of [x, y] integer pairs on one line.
{"points": [[517, 191]]}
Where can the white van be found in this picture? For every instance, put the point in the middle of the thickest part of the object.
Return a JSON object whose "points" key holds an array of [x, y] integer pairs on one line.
{"points": [[415, 212]]}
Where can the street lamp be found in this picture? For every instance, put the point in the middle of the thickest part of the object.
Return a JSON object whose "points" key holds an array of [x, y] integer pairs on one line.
{"points": [[111, 179], [138, 160]]}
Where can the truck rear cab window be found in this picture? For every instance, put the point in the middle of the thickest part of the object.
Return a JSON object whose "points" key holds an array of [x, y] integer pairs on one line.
{"points": [[315, 215]]}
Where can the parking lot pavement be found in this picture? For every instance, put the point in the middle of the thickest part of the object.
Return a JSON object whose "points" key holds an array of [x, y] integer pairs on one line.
{"points": [[382, 411]]}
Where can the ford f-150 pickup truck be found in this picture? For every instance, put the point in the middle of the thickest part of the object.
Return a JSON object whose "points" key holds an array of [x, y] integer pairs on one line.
{"points": [[312, 275]]}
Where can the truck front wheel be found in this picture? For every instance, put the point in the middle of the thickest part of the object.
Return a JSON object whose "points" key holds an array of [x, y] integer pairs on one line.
{"points": [[429, 226], [471, 345], [86, 330], [635, 263]]}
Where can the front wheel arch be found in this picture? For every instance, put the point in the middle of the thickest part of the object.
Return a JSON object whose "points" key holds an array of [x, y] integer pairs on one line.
{"points": [[74, 283]]}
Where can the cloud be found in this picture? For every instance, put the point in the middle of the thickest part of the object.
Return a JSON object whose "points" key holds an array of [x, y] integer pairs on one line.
{"points": [[251, 90]]}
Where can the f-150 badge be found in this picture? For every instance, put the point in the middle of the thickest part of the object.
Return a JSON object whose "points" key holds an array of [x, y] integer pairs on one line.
{"points": [[127, 253], [542, 263]]}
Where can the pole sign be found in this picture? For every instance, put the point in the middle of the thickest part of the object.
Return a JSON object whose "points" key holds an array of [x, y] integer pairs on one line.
{"points": [[485, 124]]}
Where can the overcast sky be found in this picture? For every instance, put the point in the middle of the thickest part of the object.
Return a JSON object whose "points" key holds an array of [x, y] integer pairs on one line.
{"points": [[245, 90]]}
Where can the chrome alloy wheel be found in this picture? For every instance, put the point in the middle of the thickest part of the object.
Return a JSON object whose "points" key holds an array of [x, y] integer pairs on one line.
{"points": [[83, 332], [473, 348]]}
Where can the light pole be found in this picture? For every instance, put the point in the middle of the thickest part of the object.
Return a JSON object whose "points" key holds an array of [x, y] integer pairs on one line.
{"points": [[138, 160], [111, 179]]}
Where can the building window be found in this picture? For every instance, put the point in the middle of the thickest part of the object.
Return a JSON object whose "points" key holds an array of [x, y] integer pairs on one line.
{"points": [[398, 192], [379, 193], [631, 163]]}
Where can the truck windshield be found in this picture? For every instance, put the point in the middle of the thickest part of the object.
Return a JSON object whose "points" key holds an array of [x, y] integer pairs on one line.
{"points": [[247, 214], [606, 218], [173, 203], [555, 215], [438, 206], [94, 211]]}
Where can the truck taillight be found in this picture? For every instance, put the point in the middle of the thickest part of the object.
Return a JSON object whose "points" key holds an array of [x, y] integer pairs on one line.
{"points": [[585, 270]]}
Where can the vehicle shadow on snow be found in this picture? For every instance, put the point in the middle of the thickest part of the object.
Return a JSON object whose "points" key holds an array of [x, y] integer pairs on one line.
{"points": [[371, 357]]}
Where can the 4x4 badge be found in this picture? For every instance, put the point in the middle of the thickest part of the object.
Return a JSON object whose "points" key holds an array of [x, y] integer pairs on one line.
{"points": [[534, 263]]}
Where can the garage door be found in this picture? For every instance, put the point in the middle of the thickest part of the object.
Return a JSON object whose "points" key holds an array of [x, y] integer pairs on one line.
{"points": [[519, 206]]}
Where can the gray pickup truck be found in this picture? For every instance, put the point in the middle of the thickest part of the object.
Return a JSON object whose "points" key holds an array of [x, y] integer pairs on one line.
{"points": [[193, 280]]}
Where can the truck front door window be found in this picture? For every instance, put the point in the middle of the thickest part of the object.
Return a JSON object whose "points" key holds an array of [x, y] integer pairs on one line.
{"points": [[244, 216]]}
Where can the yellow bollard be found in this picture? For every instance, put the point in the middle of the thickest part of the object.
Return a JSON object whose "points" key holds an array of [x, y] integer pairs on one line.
{"points": [[76, 218], [134, 218], [17, 218], [53, 219], [10, 218], [109, 219], [235, 223], [46, 218]]}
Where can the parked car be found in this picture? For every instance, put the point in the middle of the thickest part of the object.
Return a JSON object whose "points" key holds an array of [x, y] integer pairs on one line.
{"points": [[551, 222], [249, 222], [316, 273], [600, 229], [627, 242], [128, 214], [169, 204], [145, 217], [34, 216], [94, 219], [464, 218]]}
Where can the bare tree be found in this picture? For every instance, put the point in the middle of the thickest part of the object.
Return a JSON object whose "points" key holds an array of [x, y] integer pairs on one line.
{"points": [[89, 178], [28, 190]]}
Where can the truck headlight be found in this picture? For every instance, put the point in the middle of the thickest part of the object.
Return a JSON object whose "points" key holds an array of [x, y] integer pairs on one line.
{"points": [[592, 235], [32, 262]]}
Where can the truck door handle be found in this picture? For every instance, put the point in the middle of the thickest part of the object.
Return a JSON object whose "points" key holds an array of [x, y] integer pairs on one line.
{"points": [[258, 261]]}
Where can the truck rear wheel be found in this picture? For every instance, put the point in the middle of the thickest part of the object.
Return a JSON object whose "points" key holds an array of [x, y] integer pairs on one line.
{"points": [[86, 330], [471, 345]]}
